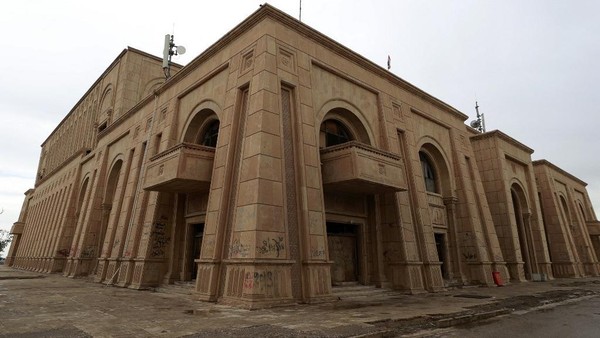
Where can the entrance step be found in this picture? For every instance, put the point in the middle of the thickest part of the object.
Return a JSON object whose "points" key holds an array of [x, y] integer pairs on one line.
{"points": [[178, 287], [360, 292]]}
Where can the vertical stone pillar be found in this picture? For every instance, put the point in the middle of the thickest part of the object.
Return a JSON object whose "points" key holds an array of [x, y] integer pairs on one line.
{"points": [[455, 271], [102, 257], [259, 261], [226, 168], [17, 232], [375, 208]]}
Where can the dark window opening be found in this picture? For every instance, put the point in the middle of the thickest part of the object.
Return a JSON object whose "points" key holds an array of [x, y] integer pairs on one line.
{"points": [[157, 141], [102, 126], [211, 135], [335, 133], [428, 173], [565, 211], [198, 233], [341, 228], [440, 246]]}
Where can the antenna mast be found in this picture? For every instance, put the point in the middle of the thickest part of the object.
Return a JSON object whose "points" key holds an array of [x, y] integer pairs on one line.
{"points": [[300, 16], [478, 124], [169, 50]]}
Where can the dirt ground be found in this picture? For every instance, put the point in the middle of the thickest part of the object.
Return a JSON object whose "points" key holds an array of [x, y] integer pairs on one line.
{"points": [[42, 305]]}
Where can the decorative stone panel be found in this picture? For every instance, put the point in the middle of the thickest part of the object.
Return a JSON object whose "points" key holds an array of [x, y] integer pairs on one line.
{"points": [[258, 285]]}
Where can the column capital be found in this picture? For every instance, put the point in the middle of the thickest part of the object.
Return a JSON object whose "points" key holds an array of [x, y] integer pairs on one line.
{"points": [[450, 201]]}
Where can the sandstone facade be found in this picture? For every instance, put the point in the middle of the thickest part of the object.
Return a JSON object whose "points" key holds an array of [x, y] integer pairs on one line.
{"points": [[279, 163]]}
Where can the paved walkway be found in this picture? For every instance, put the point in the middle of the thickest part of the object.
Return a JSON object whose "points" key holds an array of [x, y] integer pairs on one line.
{"points": [[34, 305]]}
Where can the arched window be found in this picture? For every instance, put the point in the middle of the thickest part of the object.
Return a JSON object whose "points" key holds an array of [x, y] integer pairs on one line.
{"points": [[565, 210], [582, 212], [334, 132], [428, 173], [210, 135]]}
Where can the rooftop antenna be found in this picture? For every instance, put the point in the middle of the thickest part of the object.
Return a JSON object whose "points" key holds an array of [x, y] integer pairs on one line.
{"points": [[478, 124], [300, 16], [169, 50]]}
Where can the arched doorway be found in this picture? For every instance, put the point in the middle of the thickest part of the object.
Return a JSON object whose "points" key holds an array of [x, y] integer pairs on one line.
{"points": [[523, 232], [346, 213], [108, 215], [68, 246], [203, 129], [437, 183]]}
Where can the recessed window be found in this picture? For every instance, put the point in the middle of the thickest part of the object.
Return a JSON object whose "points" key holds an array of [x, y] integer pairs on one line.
{"points": [[582, 212], [428, 173], [334, 132], [157, 140], [102, 126], [565, 210], [211, 135]]}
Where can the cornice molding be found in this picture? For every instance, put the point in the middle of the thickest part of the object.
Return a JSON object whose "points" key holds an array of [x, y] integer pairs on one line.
{"points": [[504, 137], [558, 169]]}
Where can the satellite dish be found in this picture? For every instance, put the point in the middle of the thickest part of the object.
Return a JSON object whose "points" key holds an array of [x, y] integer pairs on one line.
{"points": [[180, 50], [475, 124]]}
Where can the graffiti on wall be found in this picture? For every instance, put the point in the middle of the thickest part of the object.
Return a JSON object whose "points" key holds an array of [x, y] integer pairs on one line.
{"points": [[238, 249], [160, 240], [271, 245], [88, 252], [317, 252], [260, 282]]}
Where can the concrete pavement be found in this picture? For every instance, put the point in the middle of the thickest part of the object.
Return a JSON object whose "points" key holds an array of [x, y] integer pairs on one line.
{"points": [[34, 305]]}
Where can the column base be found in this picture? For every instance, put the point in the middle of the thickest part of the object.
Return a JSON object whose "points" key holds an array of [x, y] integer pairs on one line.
{"points": [[481, 272], [258, 284], [57, 264], [146, 273], [206, 280], [317, 282], [516, 271], [407, 276], [564, 270]]}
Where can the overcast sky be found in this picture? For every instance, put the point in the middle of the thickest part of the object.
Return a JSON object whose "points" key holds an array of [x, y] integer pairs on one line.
{"points": [[532, 65]]}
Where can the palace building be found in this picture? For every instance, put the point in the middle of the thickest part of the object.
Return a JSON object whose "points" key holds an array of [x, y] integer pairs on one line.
{"points": [[279, 164]]}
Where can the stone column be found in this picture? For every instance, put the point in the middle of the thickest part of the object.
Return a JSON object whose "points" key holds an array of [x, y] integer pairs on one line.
{"points": [[455, 270], [101, 263]]}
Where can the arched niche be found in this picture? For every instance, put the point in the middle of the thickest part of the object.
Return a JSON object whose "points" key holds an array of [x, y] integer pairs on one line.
{"points": [[81, 195], [349, 116], [204, 120], [521, 210], [151, 85], [564, 207], [432, 158], [106, 102], [518, 191], [112, 180]]}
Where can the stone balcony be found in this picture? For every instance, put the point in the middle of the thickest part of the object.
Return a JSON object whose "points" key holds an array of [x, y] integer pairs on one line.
{"points": [[185, 167], [359, 168], [17, 228], [593, 227]]}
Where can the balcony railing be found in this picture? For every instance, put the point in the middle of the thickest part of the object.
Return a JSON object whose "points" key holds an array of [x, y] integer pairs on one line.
{"points": [[359, 168], [185, 167]]}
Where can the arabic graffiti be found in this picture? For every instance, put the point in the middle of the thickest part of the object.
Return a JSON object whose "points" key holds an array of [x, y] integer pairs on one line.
{"points": [[271, 245], [160, 240]]}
